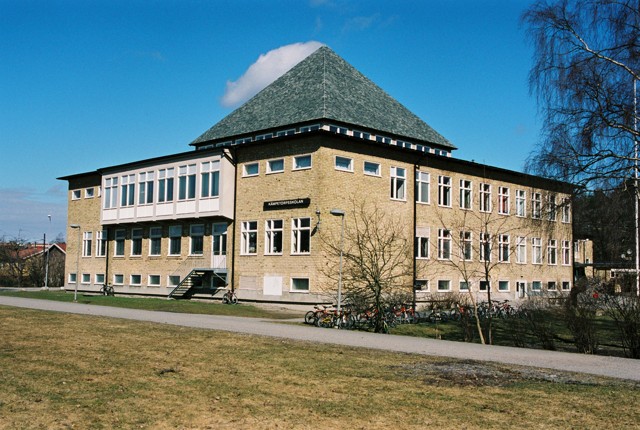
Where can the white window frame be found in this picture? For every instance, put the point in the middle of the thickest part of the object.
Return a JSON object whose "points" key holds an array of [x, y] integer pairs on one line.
{"points": [[300, 233], [521, 250], [210, 179], [296, 162], [369, 172], [118, 279], [552, 208], [145, 187], [444, 191], [566, 253], [485, 197], [101, 243], [552, 252], [73, 278], [398, 183], [292, 287], [521, 203], [136, 238], [466, 194], [166, 184], [175, 237], [120, 238], [422, 245], [504, 200], [249, 237], [155, 234], [464, 286], [110, 197], [87, 243], [273, 229], [187, 182], [150, 282], [444, 244], [485, 247], [444, 285], [89, 193], [536, 250], [273, 168], [423, 187], [536, 205], [76, 194], [343, 164], [504, 248], [127, 190], [196, 238], [566, 210], [132, 282], [466, 245], [85, 279], [501, 283], [99, 278]]}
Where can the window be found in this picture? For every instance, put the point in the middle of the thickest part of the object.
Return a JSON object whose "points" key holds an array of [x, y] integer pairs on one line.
{"points": [[552, 209], [127, 190], [485, 247], [372, 169], [73, 278], [398, 176], [187, 182], [444, 244], [344, 163], [536, 286], [136, 241], [155, 240], [536, 205], [273, 237], [485, 197], [302, 162], [145, 187], [219, 233], [196, 235], [86, 278], [464, 286], [101, 243], [466, 246], [289, 132], [383, 139], [135, 280], [175, 239], [465, 194], [536, 250], [566, 210], [173, 281], [503, 200], [89, 193], [552, 252], [485, 285], [361, 135], [309, 128], [444, 285], [118, 279], [421, 285], [275, 166], [422, 247], [165, 185], [300, 235], [503, 285], [110, 193], [119, 239], [503, 248], [264, 136], [154, 281], [99, 278], [444, 191], [552, 286], [75, 194], [249, 237], [566, 253], [422, 187], [566, 286], [210, 179], [521, 250], [299, 285], [87, 243], [521, 203], [337, 129]]}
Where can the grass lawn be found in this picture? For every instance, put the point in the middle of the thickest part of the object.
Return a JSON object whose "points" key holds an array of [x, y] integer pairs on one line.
{"points": [[61, 371]]}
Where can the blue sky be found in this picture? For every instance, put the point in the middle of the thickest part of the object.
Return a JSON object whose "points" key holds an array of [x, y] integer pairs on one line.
{"points": [[93, 83]]}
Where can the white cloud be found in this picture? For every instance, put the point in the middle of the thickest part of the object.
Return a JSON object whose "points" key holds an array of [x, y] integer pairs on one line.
{"points": [[265, 70]]}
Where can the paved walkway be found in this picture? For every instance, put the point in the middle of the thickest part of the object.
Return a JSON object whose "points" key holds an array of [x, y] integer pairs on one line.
{"points": [[615, 367]]}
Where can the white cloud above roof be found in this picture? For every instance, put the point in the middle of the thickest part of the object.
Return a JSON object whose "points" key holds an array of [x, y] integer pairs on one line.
{"points": [[267, 68]]}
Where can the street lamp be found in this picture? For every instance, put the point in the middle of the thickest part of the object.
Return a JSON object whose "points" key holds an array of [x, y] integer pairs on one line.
{"points": [[75, 291], [340, 213]]}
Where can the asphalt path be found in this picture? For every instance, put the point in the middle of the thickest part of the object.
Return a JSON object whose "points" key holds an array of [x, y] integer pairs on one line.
{"points": [[615, 367]]}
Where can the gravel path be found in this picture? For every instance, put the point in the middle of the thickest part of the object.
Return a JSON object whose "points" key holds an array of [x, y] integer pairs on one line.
{"points": [[614, 367]]}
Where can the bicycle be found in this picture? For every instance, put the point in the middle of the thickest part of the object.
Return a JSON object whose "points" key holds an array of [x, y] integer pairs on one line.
{"points": [[230, 298], [107, 290]]}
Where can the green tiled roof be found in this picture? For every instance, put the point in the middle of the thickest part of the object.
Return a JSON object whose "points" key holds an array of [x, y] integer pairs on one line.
{"points": [[324, 87]]}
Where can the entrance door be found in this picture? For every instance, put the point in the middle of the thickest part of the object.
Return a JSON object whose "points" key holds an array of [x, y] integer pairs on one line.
{"points": [[521, 289], [219, 233]]}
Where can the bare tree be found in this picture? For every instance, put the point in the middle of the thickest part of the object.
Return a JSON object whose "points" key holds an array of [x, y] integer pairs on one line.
{"points": [[14, 266], [377, 258], [586, 58]]}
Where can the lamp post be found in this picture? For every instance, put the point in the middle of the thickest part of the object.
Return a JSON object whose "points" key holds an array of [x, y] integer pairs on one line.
{"points": [[340, 213], [75, 291]]}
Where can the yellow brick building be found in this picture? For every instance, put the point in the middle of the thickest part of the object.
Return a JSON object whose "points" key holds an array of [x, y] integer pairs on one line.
{"points": [[249, 208]]}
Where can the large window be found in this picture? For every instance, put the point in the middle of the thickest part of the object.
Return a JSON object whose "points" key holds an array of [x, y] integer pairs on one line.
{"points": [[145, 187], [566, 252], [87, 242], [187, 182], [521, 203], [422, 187], [444, 244], [155, 240], [466, 245], [110, 193], [485, 247], [101, 243], [136, 241], [422, 247], [175, 239], [552, 252], [398, 182], [536, 250], [552, 209], [521, 250], [536, 205], [210, 179], [273, 236], [444, 191], [127, 190], [503, 200], [165, 185], [566, 210], [485, 197], [120, 236], [465, 194], [503, 248], [249, 238], [196, 235], [300, 235]]}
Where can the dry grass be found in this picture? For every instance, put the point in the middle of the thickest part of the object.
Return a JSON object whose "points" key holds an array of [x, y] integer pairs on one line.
{"points": [[61, 371]]}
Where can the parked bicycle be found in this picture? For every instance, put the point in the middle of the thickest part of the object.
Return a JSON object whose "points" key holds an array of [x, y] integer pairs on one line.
{"points": [[107, 290], [230, 298]]}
